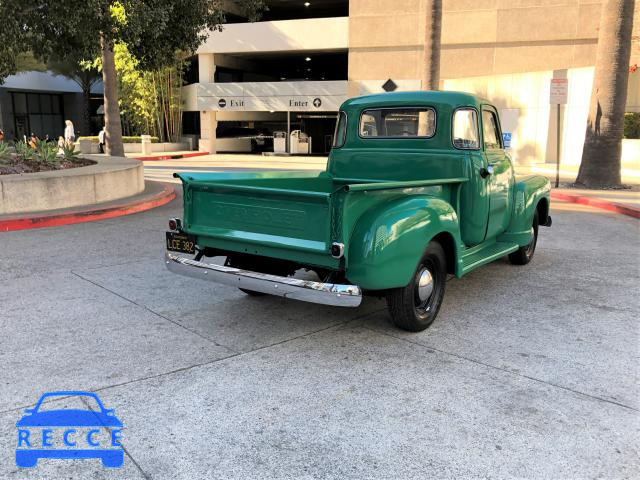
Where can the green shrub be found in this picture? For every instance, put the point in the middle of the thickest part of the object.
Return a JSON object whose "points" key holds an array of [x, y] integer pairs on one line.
{"points": [[47, 153], [124, 139], [24, 151], [5, 153], [632, 125], [69, 153]]}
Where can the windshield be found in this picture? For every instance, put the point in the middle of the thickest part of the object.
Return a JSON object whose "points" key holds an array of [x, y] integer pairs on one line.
{"points": [[57, 402]]}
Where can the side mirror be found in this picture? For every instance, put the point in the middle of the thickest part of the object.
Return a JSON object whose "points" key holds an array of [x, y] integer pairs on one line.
{"points": [[29, 410]]}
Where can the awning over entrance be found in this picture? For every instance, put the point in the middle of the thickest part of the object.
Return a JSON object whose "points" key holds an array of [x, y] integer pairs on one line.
{"points": [[308, 96]]}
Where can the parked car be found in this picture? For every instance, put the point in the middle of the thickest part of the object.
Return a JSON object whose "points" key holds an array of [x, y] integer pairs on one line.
{"points": [[418, 186]]}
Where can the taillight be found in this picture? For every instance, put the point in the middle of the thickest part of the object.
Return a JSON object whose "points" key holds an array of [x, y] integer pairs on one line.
{"points": [[337, 250], [175, 224]]}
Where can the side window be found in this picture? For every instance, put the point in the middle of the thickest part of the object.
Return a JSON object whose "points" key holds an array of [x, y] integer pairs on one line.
{"points": [[341, 130], [465, 129], [490, 129], [398, 122]]}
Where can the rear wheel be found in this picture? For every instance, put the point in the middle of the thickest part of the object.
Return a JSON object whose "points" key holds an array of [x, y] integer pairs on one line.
{"points": [[523, 255], [415, 307]]}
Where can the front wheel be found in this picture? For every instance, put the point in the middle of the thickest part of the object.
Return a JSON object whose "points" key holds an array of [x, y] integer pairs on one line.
{"points": [[523, 255], [415, 307]]}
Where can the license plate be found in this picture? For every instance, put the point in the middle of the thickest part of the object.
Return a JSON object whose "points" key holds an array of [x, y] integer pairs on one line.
{"points": [[180, 242]]}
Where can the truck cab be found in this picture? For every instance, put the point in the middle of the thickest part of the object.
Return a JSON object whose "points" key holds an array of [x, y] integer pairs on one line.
{"points": [[418, 185]]}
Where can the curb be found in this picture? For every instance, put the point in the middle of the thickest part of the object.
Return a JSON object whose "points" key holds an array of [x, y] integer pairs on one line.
{"points": [[148, 202], [177, 156], [598, 203]]}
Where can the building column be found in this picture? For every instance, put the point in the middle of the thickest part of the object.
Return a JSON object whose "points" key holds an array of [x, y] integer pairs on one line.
{"points": [[206, 68], [208, 124], [208, 121]]}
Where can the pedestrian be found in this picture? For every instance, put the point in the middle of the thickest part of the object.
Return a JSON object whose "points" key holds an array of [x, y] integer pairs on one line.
{"points": [[69, 133], [101, 138], [33, 141]]}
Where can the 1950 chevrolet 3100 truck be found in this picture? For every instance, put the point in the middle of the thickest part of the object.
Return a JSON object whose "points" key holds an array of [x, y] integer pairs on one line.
{"points": [[417, 186]]}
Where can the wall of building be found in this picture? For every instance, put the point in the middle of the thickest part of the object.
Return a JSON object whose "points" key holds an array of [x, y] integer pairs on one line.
{"points": [[504, 50], [6, 114], [479, 38]]}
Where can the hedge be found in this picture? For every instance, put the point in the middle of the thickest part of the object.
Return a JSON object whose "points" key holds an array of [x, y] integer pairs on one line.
{"points": [[632, 125], [124, 139]]}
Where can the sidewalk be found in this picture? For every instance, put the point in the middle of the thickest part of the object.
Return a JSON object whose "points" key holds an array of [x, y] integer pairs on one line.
{"points": [[568, 173]]}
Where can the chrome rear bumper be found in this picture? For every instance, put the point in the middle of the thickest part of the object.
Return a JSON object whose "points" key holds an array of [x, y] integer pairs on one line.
{"points": [[305, 290]]}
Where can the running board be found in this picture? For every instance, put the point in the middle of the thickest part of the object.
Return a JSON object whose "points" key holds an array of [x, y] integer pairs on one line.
{"points": [[477, 256]]}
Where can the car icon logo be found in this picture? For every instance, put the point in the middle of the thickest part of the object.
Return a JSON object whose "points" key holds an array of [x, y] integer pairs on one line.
{"points": [[69, 433]]}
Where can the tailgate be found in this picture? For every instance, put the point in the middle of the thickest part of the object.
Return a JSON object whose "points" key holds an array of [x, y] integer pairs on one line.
{"points": [[257, 215]]}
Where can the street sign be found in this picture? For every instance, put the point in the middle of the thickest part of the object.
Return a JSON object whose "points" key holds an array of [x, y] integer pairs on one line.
{"points": [[506, 139], [558, 91]]}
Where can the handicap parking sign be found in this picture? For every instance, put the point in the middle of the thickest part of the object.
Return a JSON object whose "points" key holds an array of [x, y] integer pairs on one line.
{"points": [[506, 139]]}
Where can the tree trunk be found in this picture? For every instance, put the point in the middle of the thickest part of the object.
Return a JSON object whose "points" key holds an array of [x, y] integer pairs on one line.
{"points": [[86, 109], [111, 109], [603, 140], [431, 79]]}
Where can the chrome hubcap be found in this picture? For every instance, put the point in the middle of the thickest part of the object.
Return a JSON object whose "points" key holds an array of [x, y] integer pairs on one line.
{"points": [[425, 285]]}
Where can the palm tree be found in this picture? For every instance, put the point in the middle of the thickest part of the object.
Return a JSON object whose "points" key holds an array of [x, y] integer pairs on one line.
{"points": [[111, 107], [432, 45], [600, 164]]}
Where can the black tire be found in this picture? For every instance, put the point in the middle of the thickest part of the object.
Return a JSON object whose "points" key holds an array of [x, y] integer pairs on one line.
{"points": [[523, 255], [411, 309]]}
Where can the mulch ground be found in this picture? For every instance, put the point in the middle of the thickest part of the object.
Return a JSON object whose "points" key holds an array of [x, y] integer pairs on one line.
{"points": [[14, 165]]}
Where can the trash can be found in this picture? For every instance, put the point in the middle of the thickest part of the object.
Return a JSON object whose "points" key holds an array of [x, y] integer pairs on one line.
{"points": [[279, 142], [146, 144], [300, 143]]}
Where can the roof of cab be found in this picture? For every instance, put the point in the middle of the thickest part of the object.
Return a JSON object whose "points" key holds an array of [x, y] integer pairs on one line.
{"points": [[425, 97]]}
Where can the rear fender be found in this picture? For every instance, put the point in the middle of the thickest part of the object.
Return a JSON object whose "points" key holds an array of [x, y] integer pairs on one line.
{"points": [[530, 194], [387, 243]]}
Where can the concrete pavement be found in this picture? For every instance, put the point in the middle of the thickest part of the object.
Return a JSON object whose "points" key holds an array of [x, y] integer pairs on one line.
{"points": [[528, 372]]}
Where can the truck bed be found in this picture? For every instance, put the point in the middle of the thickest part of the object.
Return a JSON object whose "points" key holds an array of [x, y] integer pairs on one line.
{"points": [[288, 215]]}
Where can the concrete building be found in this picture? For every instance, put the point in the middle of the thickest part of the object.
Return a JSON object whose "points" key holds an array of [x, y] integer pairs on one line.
{"points": [[292, 70], [40, 102]]}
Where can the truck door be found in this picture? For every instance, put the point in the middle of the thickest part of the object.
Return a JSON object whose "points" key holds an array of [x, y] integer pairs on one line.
{"points": [[500, 174]]}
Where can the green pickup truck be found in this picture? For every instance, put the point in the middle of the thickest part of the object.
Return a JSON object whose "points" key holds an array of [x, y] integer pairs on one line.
{"points": [[417, 186]]}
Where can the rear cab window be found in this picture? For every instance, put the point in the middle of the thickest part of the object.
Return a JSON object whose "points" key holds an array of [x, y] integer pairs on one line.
{"points": [[397, 122]]}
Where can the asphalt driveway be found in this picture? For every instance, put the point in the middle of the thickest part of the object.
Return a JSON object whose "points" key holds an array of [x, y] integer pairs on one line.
{"points": [[528, 372]]}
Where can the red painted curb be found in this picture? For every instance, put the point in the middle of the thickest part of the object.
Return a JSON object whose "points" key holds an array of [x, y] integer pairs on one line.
{"points": [[55, 220], [598, 203], [152, 158]]}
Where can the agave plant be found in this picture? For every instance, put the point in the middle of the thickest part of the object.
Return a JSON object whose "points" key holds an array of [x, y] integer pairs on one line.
{"points": [[5, 153], [47, 153], [69, 152], [24, 151]]}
